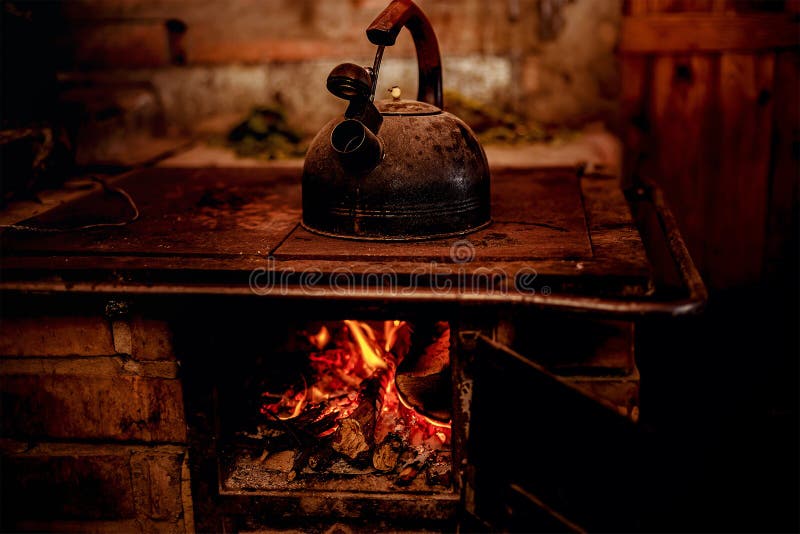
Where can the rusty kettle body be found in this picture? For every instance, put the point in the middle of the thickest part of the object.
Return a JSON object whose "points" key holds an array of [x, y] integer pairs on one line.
{"points": [[396, 169]]}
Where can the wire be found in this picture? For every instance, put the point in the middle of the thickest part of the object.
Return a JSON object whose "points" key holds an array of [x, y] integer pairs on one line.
{"points": [[107, 189]]}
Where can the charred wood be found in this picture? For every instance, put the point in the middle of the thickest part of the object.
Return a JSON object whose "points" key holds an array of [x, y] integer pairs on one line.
{"points": [[322, 457], [355, 436], [423, 377], [412, 468], [439, 472], [388, 451]]}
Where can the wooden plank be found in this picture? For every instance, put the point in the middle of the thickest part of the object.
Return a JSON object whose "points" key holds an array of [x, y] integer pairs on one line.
{"points": [[208, 212], [710, 119], [738, 193], [635, 73], [537, 215], [707, 32], [755, 6], [782, 226], [635, 7], [685, 149]]}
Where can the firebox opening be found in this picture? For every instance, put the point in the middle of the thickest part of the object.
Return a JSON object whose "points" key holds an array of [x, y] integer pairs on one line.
{"points": [[349, 405]]}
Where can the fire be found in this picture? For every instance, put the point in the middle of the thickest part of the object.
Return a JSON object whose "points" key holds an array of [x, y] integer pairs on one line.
{"points": [[321, 338], [345, 357], [425, 418], [390, 329], [365, 338], [298, 408], [290, 402]]}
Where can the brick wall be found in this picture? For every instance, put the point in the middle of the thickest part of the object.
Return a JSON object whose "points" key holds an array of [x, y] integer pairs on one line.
{"points": [[551, 59], [93, 425]]}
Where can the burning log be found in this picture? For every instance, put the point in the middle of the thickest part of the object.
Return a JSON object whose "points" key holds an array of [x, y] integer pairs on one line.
{"points": [[300, 461], [355, 436], [318, 456], [395, 443], [302, 433], [423, 377], [388, 452], [321, 426], [413, 467], [430, 352], [310, 414]]}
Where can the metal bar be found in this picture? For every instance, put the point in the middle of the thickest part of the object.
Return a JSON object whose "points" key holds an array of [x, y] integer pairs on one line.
{"points": [[617, 308], [644, 190], [568, 525]]}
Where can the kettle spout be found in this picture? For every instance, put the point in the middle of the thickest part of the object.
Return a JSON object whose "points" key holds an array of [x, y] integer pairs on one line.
{"points": [[358, 148]]}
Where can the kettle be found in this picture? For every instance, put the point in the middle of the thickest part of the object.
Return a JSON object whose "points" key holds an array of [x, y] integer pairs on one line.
{"points": [[395, 169]]}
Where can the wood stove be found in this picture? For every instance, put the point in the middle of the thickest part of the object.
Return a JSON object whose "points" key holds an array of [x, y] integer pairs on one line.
{"points": [[538, 313]]}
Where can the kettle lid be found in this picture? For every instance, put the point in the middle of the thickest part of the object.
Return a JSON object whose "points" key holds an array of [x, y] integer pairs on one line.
{"points": [[406, 107]]}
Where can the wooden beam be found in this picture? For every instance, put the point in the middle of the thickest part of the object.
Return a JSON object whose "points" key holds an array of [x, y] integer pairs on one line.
{"points": [[707, 32], [738, 195]]}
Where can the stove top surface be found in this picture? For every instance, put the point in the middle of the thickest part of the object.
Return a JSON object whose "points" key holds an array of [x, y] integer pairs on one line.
{"points": [[573, 233]]}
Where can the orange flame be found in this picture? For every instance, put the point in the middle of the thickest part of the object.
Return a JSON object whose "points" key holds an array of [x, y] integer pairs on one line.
{"points": [[390, 329], [298, 408], [300, 403], [321, 338], [362, 334]]}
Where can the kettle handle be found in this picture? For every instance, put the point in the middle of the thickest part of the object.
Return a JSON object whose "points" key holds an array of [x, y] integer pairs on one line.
{"points": [[383, 32]]}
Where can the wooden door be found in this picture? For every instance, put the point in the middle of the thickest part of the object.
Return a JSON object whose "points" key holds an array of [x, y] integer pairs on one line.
{"points": [[711, 112]]}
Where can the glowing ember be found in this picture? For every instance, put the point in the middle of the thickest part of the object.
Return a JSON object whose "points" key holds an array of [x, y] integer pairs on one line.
{"points": [[425, 418]]}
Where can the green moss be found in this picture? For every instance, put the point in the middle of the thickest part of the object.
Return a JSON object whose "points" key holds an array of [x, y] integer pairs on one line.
{"points": [[492, 124], [266, 134]]}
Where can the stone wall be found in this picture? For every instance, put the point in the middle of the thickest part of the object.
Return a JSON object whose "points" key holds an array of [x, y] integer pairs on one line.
{"points": [[93, 424], [551, 60]]}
